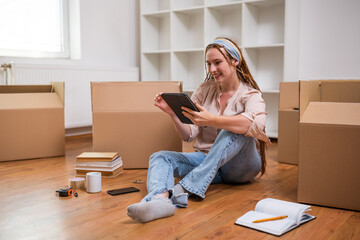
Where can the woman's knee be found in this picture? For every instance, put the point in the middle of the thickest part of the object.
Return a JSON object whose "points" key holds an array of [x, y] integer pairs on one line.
{"points": [[156, 155], [242, 169], [227, 134], [230, 138], [161, 155]]}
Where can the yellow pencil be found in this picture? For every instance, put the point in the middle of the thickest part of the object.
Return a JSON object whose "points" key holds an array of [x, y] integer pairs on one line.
{"points": [[269, 219]]}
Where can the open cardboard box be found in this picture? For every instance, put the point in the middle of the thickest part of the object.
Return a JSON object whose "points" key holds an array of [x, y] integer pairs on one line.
{"points": [[32, 121], [329, 153], [126, 121]]}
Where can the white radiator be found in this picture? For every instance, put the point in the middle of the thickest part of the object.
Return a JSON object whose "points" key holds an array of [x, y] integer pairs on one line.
{"points": [[77, 85]]}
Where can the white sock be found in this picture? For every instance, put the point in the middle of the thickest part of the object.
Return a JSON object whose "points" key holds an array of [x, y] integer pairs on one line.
{"points": [[179, 196], [158, 207], [178, 189]]}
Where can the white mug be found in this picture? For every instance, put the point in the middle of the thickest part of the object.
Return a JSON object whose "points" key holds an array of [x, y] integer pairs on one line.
{"points": [[93, 182]]}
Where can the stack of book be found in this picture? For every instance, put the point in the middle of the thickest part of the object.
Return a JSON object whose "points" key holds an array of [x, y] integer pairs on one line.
{"points": [[108, 163]]}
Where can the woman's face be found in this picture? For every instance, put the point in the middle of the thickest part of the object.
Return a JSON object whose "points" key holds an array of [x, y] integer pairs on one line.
{"points": [[219, 67]]}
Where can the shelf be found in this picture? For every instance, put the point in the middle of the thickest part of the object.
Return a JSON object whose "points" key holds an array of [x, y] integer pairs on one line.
{"points": [[156, 51], [224, 21], [266, 65], [270, 91], [157, 13], [189, 50], [275, 45], [212, 3], [189, 67], [225, 6], [265, 3], [155, 67], [183, 4], [272, 134], [154, 6], [191, 10], [188, 29], [272, 103], [264, 22], [156, 28]]}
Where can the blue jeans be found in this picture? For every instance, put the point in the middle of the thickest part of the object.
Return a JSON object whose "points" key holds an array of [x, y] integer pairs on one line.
{"points": [[232, 159]]}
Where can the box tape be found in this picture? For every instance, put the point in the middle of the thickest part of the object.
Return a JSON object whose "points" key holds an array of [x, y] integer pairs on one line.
{"points": [[77, 183]]}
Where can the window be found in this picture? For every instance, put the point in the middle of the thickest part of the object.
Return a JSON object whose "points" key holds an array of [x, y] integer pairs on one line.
{"points": [[36, 28]]}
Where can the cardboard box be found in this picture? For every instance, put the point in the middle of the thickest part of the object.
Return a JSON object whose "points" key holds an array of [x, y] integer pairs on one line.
{"points": [[288, 138], [126, 121], [188, 146], [329, 153], [289, 95], [32, 121], [288, 133]]}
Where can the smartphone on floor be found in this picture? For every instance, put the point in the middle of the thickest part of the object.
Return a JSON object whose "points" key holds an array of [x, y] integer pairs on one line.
{"points": [[115, 192]]}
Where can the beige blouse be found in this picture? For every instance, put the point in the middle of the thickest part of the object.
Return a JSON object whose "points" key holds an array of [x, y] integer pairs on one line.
{"points": [[246, 101]]}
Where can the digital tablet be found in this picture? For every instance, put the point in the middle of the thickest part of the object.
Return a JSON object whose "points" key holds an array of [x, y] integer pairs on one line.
{"points": [[176, 101]]}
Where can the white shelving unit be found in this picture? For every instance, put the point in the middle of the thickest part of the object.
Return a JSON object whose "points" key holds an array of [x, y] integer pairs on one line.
{"points": [[174, 34]]}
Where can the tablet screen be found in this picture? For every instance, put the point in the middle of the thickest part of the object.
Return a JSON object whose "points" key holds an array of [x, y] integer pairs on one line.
{"points": [[176, 101]]}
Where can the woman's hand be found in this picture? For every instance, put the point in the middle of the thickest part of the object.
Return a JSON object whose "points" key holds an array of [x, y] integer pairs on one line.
{"points": [[182, 129], [160, 103], [202, 118]]}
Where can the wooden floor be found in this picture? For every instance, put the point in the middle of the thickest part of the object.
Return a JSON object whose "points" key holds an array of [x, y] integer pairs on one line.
{"points": [[30, 208]]}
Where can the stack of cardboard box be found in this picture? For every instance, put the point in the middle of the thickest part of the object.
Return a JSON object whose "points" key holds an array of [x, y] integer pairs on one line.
{"points": [[320, 131]]}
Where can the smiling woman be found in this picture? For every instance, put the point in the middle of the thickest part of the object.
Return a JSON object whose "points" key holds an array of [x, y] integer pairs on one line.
{"points": [[228, 127], [37, 28]]}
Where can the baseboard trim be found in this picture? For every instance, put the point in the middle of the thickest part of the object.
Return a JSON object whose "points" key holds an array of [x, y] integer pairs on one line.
{"points": [[69, 132]]}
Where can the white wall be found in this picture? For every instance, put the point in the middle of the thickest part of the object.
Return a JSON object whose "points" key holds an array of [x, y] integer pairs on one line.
{"points": [[109, 36], [110, 32], [329, 39]]}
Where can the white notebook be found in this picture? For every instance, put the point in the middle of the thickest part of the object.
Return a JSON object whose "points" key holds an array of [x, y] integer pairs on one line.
{"points": [[268, 208]]}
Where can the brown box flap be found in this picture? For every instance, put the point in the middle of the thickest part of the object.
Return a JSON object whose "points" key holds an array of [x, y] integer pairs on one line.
{"points": [[59, 88], [289, 95], [129, 96], [25, 88], [340, 91], [309, 92], [29, 101], [332, 113]]}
